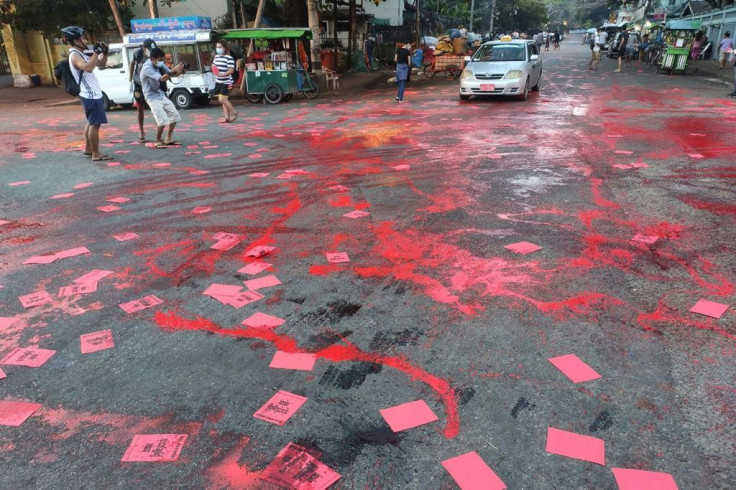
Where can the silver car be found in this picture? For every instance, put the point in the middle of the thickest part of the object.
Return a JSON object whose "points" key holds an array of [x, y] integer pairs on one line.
{"points": [[506, 67]]}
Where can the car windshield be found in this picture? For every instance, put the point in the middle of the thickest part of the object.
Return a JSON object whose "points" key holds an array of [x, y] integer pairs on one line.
{"points": [[501, 52]]}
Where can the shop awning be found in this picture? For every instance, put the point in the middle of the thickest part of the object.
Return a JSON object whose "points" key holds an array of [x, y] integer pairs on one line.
{"points": [[274, 33], [684, 25]]}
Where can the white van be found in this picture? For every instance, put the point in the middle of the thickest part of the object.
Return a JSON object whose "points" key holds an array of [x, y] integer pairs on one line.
{"points": [[193, 47]]}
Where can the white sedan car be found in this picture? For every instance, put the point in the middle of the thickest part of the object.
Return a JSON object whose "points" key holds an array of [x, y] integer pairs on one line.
{"points": [[506, 67]]}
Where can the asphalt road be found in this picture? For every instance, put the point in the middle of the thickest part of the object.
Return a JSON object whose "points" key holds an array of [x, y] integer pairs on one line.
{"points": [[430, 306]]}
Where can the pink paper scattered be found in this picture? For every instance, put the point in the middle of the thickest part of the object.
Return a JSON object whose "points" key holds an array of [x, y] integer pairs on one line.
{"points": [[250, 143], [226, 243], [65, 195], [140, 304], [262, 320], [77, 289], [254, 268], [356, 214], [109, 208], [709, 308], [92, 342], [161, 165], [28, 356], [649, 239], [297, 469], [574, 368], [222, 235], [119, 200], [401, 167], [623, 152], [523, 247], [576, 446], [72, 252], [198, 172], [262, 282], [241, 299], [284, 176], [113, 164], [92, 277], [470, 472], [340, 188], [22, 182], [201, 209], [219, 155], [627, 479], [280, 407], [82, 186], [154, 447], [408, 415], [124, 237], [35, 299], [4, 222], [2, 374], [337, 258], [14, 413], [286, 360], [7, 321], [41, 259], [259, 251], [294, 171], [695, 155], [254, 155], [222, 290], [260, 175]]}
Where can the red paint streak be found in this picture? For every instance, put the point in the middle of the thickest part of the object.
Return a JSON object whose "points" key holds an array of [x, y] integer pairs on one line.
{"points": [[324, 270], [345, 201], [229, 473], [582, 304], [336, 353], [598, 198], [713, 207], [666, 315]]}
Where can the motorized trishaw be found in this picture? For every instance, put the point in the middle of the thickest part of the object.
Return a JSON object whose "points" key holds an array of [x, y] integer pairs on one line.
{"points": [[681, 33], [276, 69]]}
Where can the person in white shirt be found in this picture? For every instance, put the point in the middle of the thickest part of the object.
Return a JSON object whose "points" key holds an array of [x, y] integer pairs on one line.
{"points": [[90, 94]]}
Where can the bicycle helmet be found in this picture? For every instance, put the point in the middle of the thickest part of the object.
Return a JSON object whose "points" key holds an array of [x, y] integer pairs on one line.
{"points": [[71, 33]]}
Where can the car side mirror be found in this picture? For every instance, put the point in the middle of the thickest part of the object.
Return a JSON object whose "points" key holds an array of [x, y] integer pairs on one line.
{"points": [[467, 59], [534, 57]]}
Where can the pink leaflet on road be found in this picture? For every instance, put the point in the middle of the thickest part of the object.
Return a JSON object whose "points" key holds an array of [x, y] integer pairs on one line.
{"points": [[226, 244], [259, 175], [198, 172], [523, 248], [219, 155], [574, 368], [41, 259], [151, 448], [201, 209], [222, 235], [124, 237], [118, 200], [339, 188], [297, 468], [14, 413], [262, 282], [4, 222], [82, 186], [92, 342], [28, 356], [408, 415], [576, 446], [337, 258], [140, 304], [286, 360], [643, 480], [259, 251], [401, 167], [222, 290], [92, 277], [35, 299], [280, 407], [109, 208], [254, 268], [77, 289], [623, 152], [242, 299], [7, 321], [22, 182], [285, 176], [2, 374], [695, 155], [65, 195], [472, 473], [262, 320], [648, 239], [356, 214], [709, 308], [72, 252]]}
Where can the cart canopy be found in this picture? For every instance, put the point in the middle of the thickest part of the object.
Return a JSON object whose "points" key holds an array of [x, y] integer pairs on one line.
{"points": [[270, 33], [684, 25]]}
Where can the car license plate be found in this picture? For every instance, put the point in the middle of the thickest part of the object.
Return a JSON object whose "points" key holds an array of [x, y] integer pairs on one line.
{"points": [[487, 87]]}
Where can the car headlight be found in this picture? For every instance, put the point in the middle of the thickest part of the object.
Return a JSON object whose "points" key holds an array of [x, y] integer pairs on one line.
{"points": [[467, 74], [514, 74]]}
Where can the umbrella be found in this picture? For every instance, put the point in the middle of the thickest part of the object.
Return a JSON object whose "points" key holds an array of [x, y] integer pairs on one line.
{"points": [[592, 30]]}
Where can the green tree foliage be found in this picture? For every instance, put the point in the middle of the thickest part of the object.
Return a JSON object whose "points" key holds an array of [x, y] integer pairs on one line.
{"points": [[521, 15]]}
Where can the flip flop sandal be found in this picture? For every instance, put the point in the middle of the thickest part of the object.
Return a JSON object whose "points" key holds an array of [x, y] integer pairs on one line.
{"points": [[160, 145], [86, 154], [102, 158], [223, 121], [172, 143], [141, 139], [233, 118]]}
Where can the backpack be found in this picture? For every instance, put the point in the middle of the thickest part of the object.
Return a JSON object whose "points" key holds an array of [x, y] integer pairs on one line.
{"points": [[63, 74]]}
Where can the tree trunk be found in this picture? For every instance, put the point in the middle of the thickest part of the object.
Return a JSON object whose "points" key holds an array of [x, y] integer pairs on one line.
{"points": [[259, 13], [118, 19], [351, 33], [242, 15], [419, 24], [153, 7], [313, 16]]}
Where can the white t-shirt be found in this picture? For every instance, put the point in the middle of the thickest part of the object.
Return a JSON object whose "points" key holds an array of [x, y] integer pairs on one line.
{"points": [[89, 87]]}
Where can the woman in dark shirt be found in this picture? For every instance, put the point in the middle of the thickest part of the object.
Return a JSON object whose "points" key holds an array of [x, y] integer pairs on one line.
{"points": [[402, 69]]}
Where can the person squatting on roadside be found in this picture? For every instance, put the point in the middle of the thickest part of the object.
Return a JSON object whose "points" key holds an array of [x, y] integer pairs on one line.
{"points": [[90, 94], [140, 56], [154, 75], [223, 67], [724, 49], [402, 69]]}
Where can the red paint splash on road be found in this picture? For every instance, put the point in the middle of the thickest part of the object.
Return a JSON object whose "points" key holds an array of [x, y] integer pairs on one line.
{"points": [[229, 473], [336, 353], [713, 207]]}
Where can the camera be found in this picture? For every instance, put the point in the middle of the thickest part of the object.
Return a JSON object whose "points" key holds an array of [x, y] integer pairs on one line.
{"points": [[101, 48], [186, 65]]}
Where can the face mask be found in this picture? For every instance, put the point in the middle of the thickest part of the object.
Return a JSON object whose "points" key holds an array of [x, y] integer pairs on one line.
{"points": [[161, 64], [219, 50]]}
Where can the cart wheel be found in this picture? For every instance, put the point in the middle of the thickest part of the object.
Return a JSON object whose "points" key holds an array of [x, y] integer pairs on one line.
{"points": [[287, 97], [312, 90], [451, 72], [254, 98], [428, 71], [273, 94]]}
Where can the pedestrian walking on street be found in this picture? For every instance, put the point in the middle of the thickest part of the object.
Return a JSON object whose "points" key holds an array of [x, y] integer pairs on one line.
{"points": [[595, 51], [154, 75], [90, 94], [724, 49], [223, 66], [140, 56], [546, 41], [402, 69], [623, 41], [557, 41]]}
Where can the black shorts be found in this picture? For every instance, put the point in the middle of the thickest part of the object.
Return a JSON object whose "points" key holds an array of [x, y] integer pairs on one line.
{"points": [[138, 93], [94, 109], [223, 89]]}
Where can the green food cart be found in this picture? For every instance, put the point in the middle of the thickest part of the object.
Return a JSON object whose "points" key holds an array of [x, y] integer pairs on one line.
{"points": [[676, 55], [281, 76]]}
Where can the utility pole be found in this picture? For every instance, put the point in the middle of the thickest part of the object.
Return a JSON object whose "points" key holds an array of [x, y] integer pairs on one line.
{"points": [[493, 16], [472, 8], [419, 24]]}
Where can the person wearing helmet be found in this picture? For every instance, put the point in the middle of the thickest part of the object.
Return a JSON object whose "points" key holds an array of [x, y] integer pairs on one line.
{"points": [[90, 94], [140, 56]]}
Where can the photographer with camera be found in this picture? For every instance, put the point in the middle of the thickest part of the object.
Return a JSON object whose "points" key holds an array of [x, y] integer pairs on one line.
{"points": [[90, 94], [140, 56], [154, 76]]}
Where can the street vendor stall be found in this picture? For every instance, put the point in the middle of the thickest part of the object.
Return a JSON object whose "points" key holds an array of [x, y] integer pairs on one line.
{"points": [[679, 38], [278, 68]]}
